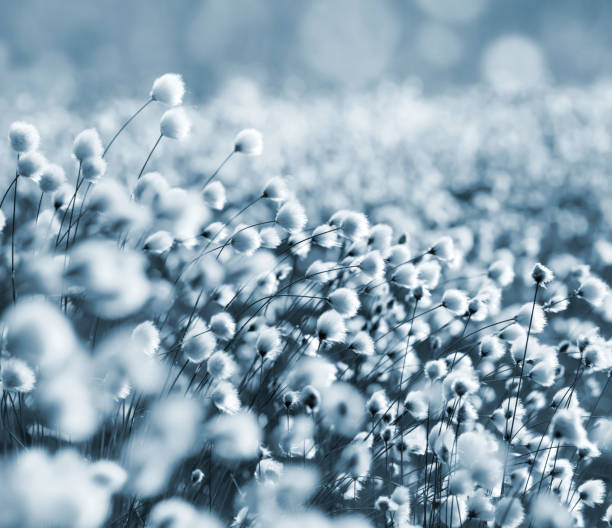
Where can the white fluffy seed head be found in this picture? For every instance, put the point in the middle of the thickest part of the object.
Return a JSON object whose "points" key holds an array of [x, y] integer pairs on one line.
{"points": [[291, 216], [249, 142], [362, 344], [51, 177], [220, 366], [223, 326], [355, 226], [87, 145], [435, 369], [325, 236], [23, 137], [501, 273], [30, 164], [455, 301], [175, 124], [246, 240], [158, 242], [406, 276], [345, 301], [146, 336], [372, 265], [268, 343], [93, 168], [491, 348], [275, 189], [197, 348], [593, 290], [214, 195], [270, 238], [541, 274], [330, 327], [444, 248], [592, 492], [168, 89], [16, 376]]}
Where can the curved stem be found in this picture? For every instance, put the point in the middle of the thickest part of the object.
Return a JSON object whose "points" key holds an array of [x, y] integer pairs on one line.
{"points": [[42, 195], [13, 239], [149, 156], [126, 124], [214, 174]]}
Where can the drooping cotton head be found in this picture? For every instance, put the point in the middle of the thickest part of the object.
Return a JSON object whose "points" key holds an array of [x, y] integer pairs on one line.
{"points": [[249, 142], [87, 145], [168, 89], [23, 137], [175, 124]]}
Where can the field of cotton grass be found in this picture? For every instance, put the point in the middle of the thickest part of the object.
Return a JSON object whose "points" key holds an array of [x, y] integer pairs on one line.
{"points": [[395, 314]]}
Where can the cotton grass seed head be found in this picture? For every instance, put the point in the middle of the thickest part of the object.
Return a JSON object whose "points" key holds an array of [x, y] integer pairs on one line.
{"points": [[168, 89], [23, 137], [30, 164], [443, 249], [249, 142], [87, 145], [593, 290], [16, 376], [355, 226], [542, 275], [275, 189], [268, 343], [175, 124], [331, 327], [455, 301], [291, 216], [51, 177], [214, 195], [223, 326], [93, 168], [246, 240], [592, 492], [344, 301]]}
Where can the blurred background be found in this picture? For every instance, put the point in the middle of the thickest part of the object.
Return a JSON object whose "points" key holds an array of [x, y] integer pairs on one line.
{"points": [[77, 49]]}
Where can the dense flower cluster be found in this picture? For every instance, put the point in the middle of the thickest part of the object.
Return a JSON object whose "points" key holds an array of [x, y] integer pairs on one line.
{"points": [[209, 350]]}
